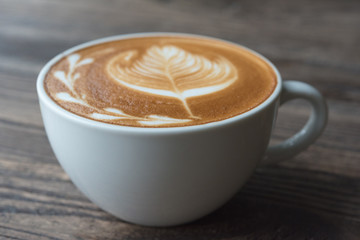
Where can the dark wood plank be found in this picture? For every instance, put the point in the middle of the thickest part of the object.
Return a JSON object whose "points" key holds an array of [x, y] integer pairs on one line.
{"points": [[316, 195]]}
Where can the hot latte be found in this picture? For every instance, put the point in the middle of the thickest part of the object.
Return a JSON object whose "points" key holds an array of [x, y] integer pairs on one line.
{"points": [[160, 81]]}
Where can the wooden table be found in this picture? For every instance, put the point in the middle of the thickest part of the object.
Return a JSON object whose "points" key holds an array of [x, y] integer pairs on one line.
{"points": [[315, 195]]}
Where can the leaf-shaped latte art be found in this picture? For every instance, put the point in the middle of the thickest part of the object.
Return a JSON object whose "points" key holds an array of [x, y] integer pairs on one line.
{"points": [[173, 72]]}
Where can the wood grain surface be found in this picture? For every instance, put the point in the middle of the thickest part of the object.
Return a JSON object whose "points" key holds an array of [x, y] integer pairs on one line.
{"points": [[315, 195]]}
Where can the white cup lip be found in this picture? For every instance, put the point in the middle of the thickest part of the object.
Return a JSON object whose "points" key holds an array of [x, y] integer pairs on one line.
{"points": [[45, 98]]}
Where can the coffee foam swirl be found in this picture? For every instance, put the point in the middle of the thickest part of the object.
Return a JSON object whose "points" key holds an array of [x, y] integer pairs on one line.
{"points": [[173, 72], [160, 83]]}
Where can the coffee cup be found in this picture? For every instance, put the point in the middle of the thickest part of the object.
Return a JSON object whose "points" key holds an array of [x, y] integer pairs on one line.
{"points": [[165, 175]]}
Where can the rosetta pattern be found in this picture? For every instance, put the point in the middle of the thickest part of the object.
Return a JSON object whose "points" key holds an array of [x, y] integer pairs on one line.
{"points": [[172, 72]]}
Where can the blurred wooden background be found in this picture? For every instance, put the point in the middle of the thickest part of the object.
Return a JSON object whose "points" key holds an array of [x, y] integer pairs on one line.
{"points": [[315, 195]]}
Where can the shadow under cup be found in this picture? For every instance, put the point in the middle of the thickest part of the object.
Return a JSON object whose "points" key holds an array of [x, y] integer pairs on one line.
{"points": [[158, 176]]}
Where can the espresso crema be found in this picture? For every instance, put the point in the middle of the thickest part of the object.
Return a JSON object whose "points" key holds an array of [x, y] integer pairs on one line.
{"points": [[160, 81]]}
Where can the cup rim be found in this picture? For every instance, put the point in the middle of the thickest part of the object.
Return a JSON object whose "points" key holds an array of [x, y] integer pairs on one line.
{"points": [[45, 98]]}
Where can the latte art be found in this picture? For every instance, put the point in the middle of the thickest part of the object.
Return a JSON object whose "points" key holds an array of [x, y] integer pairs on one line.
{"points": [[160, 81], [173, 72]]}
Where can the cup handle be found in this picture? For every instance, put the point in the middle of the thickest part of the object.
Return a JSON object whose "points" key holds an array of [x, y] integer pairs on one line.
{"points": [[312, 129]]}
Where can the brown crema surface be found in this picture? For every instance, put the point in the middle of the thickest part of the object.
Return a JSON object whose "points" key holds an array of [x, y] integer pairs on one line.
{"points": [[160, 81]]}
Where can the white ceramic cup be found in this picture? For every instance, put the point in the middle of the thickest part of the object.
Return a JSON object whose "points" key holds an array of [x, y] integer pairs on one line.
{"points": [[170, 176]]}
